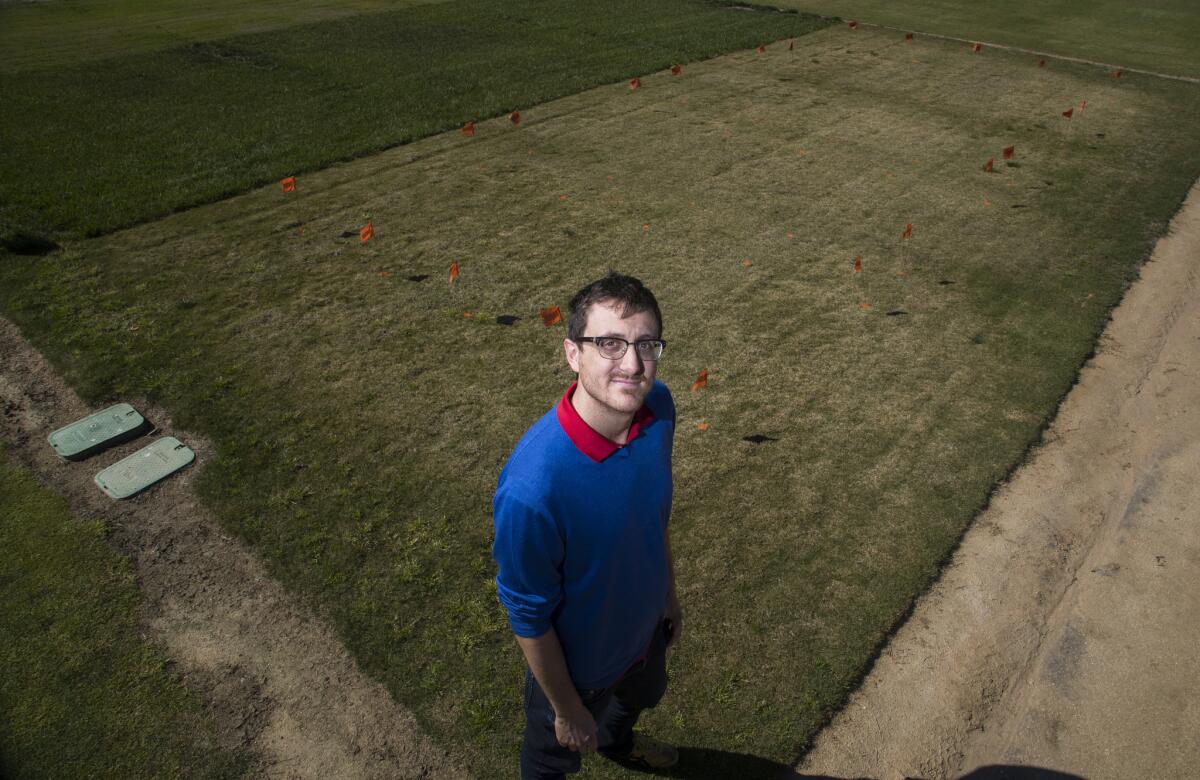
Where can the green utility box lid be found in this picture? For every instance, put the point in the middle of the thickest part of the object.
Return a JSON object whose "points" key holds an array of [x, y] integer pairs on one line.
{"points": [[96, 432], [145, 467]]}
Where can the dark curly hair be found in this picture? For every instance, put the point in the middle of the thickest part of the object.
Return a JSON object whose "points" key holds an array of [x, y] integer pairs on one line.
{"points": [[627, 294]]}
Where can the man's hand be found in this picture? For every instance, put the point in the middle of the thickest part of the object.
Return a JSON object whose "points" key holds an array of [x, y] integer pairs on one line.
{"points": [[576, 730], [674, 617]]}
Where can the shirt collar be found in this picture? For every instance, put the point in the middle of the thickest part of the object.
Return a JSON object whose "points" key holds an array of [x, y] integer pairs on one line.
{"points": [[586, 438]]}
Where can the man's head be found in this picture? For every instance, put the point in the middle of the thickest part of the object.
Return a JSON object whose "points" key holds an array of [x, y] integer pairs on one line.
{"points": [[615, 307]]}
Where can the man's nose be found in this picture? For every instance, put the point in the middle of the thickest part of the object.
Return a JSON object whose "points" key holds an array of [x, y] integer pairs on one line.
{"points": [[631, 363]]}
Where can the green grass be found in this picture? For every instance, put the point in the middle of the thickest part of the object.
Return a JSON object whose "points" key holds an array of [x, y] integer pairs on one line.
{"points": [[1156, 35], [361, 419], [56, 33], [80, 694], [124, 140]]}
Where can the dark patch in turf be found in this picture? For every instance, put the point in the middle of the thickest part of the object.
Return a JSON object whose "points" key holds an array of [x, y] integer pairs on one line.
{"points": [[506, 319], [1018, 205], [417, 277], [945, 282], [22, 243], [896, 312], [758, 438], [348, 233], [223, 52]]}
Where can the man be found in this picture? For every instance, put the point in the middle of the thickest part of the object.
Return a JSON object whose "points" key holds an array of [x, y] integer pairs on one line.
{"points": [[581, 513]]}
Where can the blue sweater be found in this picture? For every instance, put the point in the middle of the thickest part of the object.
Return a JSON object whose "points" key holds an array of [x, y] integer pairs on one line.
{"points": [[581, 544]]}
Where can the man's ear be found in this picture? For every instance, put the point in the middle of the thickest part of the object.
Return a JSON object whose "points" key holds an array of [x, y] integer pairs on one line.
{"points": [[571, 349]]}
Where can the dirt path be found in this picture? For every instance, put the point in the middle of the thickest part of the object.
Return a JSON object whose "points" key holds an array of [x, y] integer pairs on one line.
{"points": [[275, 677], [1064, 634]]}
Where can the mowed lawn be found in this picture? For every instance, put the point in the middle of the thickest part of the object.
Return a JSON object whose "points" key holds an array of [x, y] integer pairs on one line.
{"points": [[1156, 35], [81, 695], [94, 146], [57, 33], [363, 405]]}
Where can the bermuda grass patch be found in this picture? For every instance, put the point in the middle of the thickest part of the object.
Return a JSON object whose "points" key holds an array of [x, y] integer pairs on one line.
{"points": [[362, 404]]}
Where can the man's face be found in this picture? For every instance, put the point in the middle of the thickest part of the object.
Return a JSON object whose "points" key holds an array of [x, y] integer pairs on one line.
{"points": [[618, 385]]}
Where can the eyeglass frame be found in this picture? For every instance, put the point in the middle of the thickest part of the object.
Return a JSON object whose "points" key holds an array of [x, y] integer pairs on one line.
{"points": [[597, 339]]}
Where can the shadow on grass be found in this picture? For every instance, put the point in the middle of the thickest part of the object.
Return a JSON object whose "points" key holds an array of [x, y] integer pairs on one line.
{"points": [[22, 243], [705, 764]]}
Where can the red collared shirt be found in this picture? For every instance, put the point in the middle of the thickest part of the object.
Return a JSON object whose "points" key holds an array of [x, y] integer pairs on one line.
{"points": [[586, 438]]}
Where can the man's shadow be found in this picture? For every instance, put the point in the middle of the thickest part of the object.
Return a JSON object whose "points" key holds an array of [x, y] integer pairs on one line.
{"points": [[706, 764]]}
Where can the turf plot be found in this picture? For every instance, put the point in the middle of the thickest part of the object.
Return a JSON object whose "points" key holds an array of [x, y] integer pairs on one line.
{"points": [[80, 694], [363, 403], [40, 35], [102, 145], [1155, 35]]}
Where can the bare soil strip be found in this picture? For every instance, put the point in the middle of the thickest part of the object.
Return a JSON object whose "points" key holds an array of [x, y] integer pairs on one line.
{"points": [[277, 680], [1062, 634]]}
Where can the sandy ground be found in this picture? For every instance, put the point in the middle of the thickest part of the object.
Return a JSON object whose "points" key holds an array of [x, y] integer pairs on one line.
{"points": [[277, 680], [1065, 634]]}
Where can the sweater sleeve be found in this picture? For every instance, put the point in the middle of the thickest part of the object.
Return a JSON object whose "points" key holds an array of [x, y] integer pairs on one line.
{"points": [[529, 552]]}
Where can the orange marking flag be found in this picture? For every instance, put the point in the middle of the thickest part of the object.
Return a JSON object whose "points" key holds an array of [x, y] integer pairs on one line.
{"points": [[366, 234], [1067, 114], [791, 45], [551, 315], [761, 49], [975, 47], [453, 271], [676, 70], [858, 264], [907, 231], [852, 25], [701, 381], [1118, 73], [468, 129], [746, 263], [515, 117], [864, 306], [1041, 63], [987, 166], [702, 426], [1008, 152], [287, 184], [908, 37], [635, 82]]}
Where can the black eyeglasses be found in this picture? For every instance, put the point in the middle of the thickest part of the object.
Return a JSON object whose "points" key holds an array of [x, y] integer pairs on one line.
{"points": [[615, 348]]}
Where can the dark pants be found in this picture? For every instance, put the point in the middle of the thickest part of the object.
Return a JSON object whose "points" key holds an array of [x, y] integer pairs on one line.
{"points": [[616, 710]]}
